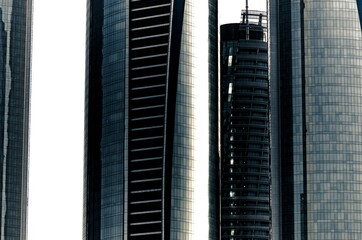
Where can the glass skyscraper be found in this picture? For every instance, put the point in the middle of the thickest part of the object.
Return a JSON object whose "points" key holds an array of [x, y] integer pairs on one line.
{"points": [[151, 153], [245, 155], [15, 55], [316, 106]]}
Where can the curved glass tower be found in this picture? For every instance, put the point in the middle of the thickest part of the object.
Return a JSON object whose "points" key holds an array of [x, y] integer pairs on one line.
{"points": [[316, 72], [245, 165], [151, 153], [15, 54]]}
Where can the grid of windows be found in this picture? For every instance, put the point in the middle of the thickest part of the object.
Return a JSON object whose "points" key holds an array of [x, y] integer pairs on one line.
{"points": [[320, 88], [104, 125]]}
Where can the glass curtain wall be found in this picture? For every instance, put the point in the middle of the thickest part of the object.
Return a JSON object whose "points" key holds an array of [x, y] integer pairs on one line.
{"points": [[151, 120], [15, 54], [316, 72]]}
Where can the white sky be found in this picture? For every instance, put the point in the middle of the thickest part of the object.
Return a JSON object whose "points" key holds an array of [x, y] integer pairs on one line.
{"points": [[57, 105]]}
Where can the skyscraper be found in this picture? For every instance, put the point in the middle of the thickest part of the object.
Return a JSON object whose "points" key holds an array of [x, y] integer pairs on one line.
{"points": [[151, 153], [245, 165], [15, 54], [316, 72]]}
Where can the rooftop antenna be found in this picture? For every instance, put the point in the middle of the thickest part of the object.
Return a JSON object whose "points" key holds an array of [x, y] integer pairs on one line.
{"points": [[247, 19], [246, 11]]}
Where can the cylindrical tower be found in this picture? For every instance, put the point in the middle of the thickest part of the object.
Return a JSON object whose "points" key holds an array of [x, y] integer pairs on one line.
{"points": [[316, 72], [245, 166]]}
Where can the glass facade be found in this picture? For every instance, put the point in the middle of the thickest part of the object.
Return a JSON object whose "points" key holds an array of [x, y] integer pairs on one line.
{"points": [[15, 54], [316, 71], [151, 153], [245, 158]]}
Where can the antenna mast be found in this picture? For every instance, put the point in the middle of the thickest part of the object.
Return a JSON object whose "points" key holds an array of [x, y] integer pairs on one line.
{"points": [[247, 19], [247, 12]]}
